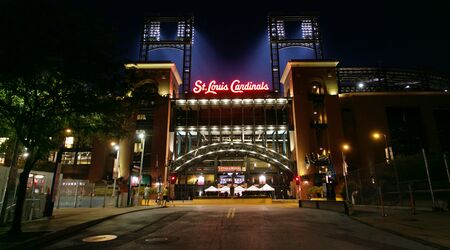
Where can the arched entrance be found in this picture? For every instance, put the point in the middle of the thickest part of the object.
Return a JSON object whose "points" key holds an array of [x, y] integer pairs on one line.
{"points": [[231, 164]]}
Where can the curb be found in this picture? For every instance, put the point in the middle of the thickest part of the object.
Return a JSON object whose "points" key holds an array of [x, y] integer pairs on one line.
{"points": [[425, 242], [38, 242]]}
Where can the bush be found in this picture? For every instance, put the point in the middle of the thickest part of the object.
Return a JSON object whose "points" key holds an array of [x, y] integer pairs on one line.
{"points": [[315, 190]]}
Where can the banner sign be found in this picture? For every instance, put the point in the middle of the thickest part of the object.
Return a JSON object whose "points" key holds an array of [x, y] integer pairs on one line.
{"points": [[236, 86]]}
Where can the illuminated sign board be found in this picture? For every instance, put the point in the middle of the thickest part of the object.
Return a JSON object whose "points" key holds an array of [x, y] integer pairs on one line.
{"points": [[236, 86], [229, 168]]}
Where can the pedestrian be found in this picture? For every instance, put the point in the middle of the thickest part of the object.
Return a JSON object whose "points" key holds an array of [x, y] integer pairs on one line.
{"points": [[146, 195], [165, 196], [158, 199]]}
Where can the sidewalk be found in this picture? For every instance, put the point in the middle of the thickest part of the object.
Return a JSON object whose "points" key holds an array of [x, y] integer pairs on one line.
{"points": [[63, 222], [431, 228]]}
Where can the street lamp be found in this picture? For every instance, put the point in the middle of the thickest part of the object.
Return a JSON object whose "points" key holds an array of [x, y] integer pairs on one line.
{"points": [[389, 158], [377, 136], [116, 167], [142, 137], [345, 147]]}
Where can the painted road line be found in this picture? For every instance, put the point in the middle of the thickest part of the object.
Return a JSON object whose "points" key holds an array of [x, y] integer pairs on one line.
{"points": [[232, 213], [229, 213]]}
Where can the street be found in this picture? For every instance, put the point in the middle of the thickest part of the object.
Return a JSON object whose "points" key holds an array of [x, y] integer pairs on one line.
{"points": [[280, 226]]}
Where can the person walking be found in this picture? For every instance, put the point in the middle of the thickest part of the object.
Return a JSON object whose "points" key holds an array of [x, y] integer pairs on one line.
{"points": [[165, 196], [146, 195]]}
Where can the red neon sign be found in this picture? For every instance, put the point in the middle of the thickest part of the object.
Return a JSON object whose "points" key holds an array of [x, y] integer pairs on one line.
{"points": [[236, 86]]}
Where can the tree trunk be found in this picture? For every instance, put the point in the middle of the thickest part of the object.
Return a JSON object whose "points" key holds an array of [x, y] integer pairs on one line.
{"points": [[11, 184], [21, 194]]}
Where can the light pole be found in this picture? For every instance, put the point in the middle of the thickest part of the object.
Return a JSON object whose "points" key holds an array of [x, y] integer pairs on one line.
{"points": [[446, 167], [116, 167], [142, 137], [389, 159], [428, 177], [345, 147]]}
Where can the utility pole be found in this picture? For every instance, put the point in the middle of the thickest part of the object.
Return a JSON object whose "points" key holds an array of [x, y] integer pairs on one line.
{"points": [[55, 184], [142, 136]]}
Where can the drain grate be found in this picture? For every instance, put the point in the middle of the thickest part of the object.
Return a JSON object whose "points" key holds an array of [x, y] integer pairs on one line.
{"points": [[100, 238]]}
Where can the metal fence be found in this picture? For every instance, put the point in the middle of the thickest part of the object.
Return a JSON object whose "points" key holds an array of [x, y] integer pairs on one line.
{"points": [[82, 193], [385, 189]]}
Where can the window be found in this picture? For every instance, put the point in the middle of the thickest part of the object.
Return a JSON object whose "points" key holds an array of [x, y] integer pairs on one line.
{"points": [[83, 158], [68, 158], [141, 117], [52, 156], [68, 143]]}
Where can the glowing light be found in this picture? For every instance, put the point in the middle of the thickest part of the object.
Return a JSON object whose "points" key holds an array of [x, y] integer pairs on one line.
{"points": [[68, 143], [307, 29], [407, 87], [262, 179], [345, 147], [26, 154], [181, 29], [181, 102], [155, 31], [116, 147], [236, 86], [201, 180], [68, 130], [134, 180], [39, 176], [141, 135], [113, 143], [361, 85], [280, 29], [376, 135]]}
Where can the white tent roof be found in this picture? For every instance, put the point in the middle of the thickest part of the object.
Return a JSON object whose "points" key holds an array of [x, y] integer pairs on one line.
{"points": [[239, 188], [267, 188], [253, 188], [224, 189], [211, 189]]}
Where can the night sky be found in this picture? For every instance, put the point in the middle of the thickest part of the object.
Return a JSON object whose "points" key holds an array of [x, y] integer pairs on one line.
{"points": [[231, 39]]}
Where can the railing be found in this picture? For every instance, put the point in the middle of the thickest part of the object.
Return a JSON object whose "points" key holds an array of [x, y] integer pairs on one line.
{"points": [[393, 80]]}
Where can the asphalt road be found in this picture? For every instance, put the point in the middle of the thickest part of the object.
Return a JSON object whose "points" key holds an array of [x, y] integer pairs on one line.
{"points": [[235, 227]]}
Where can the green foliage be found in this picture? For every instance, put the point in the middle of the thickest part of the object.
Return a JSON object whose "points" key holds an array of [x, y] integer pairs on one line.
{"points": [[71, 77], [59, 69], [315, 190]]}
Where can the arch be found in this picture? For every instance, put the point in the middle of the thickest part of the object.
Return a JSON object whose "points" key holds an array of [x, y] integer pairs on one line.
{"points": [[235, 148]]}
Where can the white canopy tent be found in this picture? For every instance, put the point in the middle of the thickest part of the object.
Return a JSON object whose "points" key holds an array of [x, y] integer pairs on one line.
{"points": [[253, 188], [267, 188], [211, 189], [239, 190], [224, 189]]}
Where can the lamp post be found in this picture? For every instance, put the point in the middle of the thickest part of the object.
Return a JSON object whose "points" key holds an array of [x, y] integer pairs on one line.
{"points": [[425, 160], [142, 137], [345, 147], [116, 167], [389, 159], [446, 167]]}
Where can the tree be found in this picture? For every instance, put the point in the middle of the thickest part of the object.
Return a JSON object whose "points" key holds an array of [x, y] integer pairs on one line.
{"points": [[59, 68]]}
